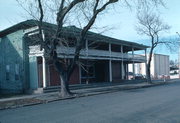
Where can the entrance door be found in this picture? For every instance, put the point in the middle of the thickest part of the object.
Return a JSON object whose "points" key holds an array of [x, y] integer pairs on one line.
{"points": [[54, 76], [116, 71], [40, 77]]}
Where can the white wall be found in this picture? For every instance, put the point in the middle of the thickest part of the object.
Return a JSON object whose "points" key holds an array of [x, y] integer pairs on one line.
{"points": [[159, 66], [179, 61]]}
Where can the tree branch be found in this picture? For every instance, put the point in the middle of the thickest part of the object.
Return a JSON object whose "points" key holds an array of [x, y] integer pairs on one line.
{"points": [[81, 41]]}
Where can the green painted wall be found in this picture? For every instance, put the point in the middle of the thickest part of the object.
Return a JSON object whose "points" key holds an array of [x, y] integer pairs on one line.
{"points": [[12, 69], [33, 72]]}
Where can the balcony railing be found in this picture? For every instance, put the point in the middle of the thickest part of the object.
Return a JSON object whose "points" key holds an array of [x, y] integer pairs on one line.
{"points": [[68, 51], [35, 50]]}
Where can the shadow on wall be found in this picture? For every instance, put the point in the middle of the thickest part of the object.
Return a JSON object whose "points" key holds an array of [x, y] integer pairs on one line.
{"points": [[11, 64]]}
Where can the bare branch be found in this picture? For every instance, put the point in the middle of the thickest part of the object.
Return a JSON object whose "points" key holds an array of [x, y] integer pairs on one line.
{"points": [[81, 41], [151, 25]]}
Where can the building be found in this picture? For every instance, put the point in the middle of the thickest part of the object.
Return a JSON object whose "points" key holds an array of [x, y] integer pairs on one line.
{"points": [[179, 61], [24, 66], [159, 67]]}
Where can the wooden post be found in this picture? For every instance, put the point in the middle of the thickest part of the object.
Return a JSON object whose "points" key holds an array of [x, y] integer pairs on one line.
{"points": [[133, 62], [110, 70], [79, 73], [146, 63], [110, 64], [127, 71], [44, 71], [122, 65], [44, 63]]}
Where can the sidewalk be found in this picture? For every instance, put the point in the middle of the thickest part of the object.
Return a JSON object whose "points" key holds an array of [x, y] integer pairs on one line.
{"points": [[27, 100]]}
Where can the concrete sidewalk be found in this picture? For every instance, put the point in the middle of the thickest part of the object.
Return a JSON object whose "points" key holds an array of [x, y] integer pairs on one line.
{"points": [[27, 100]]}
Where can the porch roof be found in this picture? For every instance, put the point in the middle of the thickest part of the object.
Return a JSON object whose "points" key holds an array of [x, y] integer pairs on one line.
{"points": [[72, 31]]}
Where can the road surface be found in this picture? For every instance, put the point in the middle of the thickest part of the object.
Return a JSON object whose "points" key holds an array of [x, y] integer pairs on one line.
{"points": [[160, 104]]}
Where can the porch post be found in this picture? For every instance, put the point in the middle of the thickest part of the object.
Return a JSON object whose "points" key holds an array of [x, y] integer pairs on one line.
{"points": [[44, 63], [122, 65], [127, 71], [86, 47], [110, 64], [133, 62], [146, 63], [79, 74], [44, 71], [110, 71]]}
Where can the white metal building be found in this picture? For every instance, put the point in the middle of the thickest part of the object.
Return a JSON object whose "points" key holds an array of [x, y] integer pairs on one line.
{"points": [[159, 66], [179, 61]]}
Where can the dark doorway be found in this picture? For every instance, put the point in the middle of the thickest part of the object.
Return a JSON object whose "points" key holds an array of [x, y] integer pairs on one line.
{"points": [[101, 68]]}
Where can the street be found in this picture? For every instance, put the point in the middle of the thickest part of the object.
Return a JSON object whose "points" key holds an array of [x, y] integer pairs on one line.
{"points": [[146, 105]]}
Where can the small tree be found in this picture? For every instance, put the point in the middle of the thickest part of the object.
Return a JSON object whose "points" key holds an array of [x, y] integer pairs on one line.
{"points": [[172, 63], [151, 25]]}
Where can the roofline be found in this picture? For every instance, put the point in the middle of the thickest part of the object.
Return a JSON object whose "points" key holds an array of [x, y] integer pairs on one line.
{"points": [[160, 54], [31, 23], [18, 26]]}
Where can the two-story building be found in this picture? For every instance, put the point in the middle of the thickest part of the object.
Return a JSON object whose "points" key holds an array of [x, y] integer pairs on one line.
{"points": [[25, 66]]}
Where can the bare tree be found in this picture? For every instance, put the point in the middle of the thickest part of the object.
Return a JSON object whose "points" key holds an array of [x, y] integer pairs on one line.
{"points": [[63, 8], [151, 25]]}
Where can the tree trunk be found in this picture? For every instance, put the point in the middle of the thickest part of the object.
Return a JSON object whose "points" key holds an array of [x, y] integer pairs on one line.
{"points": [[63, 74], [65, 92], [148, 71]]}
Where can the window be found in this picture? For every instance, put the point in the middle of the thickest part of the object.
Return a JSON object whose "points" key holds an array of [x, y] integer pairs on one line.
{"points": [[16, 71], [7, 72]]}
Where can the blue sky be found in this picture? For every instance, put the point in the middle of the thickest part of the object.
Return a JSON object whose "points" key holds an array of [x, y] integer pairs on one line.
{"points": [[121, 21]]}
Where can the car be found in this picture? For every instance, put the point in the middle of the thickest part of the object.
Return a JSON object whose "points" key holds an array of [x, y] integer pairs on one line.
{"points": [[139, 76], [130, 75]]}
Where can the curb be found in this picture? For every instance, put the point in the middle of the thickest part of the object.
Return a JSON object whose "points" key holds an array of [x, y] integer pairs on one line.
{"points": [[19, 106], [88, 94]]}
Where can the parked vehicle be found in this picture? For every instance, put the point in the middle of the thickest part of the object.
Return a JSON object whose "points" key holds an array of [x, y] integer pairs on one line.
{"points": [[139, 76], [130, 75]]}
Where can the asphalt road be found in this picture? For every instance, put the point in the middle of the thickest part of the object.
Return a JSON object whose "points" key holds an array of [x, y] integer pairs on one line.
{"points": [[160, 104]]}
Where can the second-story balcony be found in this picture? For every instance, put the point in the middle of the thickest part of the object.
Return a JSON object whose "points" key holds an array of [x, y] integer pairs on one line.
{"points": [[99, 54]]}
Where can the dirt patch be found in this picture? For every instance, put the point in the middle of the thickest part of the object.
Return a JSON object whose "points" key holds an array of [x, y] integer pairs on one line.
{"points": [[19, 102]]}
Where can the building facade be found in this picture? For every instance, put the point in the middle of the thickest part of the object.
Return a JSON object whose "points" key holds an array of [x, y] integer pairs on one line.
{"points": [[25, 66], [179, 61], [159, 67]]}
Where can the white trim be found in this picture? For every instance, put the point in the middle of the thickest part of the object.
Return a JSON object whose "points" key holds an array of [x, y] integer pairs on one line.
{"points": [[30, 30], [43, 35], [133, 63], [146, 63], [44, 72]]}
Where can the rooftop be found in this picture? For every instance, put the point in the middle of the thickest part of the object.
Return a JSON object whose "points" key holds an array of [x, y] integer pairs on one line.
{"points": [[72, 31]]}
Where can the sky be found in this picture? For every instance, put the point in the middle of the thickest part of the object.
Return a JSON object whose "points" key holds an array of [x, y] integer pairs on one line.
{"points": [[121, 21]]}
